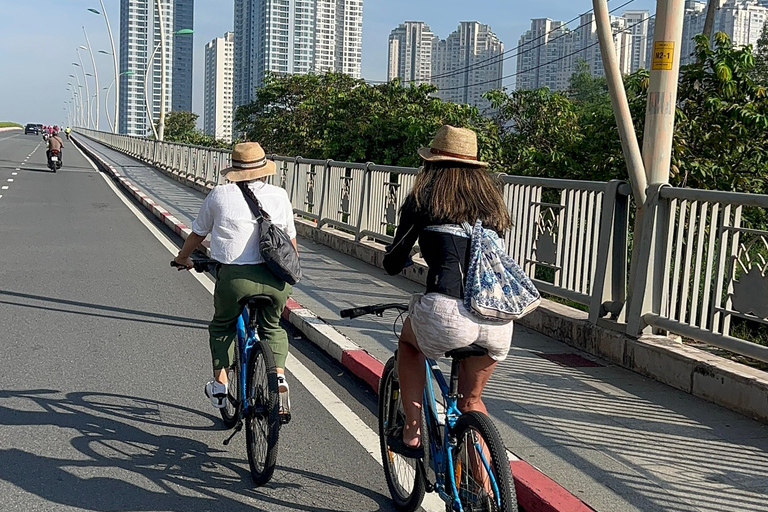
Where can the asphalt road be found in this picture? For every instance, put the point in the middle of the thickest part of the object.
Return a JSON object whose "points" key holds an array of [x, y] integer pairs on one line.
{"points": [[105, 356]]}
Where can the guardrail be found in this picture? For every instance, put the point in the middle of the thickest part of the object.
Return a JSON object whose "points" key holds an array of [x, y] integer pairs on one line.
{"points": [[694, 272]]}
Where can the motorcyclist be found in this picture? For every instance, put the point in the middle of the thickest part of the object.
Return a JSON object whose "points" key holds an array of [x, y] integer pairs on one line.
{"points": [[55, 143], [67, 130]]}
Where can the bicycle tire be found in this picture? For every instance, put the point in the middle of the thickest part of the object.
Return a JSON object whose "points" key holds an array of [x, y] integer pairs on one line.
{"points": [[262, 426], [480, 424], [230, 413], [405, 500]]}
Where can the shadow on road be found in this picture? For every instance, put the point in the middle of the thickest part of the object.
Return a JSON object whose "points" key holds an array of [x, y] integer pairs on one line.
{"points": [[88, 309], [122, 465]]}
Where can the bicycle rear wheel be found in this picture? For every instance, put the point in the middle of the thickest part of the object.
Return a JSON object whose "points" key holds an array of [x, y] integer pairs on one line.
{"points": [[230, 412], [405, 478], [479, 445], [262, 423]]}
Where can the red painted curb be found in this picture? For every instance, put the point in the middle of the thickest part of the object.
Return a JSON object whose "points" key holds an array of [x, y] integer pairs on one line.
{"points": [[364, 366], [536, 492]]}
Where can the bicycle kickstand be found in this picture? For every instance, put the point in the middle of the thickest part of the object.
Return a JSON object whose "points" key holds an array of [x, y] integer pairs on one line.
{"points": [[237, 429]]}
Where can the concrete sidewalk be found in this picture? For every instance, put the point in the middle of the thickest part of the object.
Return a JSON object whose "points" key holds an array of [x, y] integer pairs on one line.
{"points": [[619, 441]]}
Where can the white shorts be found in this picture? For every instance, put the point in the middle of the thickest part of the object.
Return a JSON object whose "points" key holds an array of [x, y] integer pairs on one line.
{"points": [[442, 323]]}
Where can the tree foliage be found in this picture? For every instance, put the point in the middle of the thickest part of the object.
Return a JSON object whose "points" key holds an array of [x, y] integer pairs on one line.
{"points": [[180, 127], [335, 116]]}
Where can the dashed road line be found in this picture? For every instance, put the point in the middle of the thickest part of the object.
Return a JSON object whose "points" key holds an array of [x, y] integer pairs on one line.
{"points": [[4, 187]]}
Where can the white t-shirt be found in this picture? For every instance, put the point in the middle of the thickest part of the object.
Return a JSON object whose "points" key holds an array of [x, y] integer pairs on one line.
{"points": [[233, 228]]}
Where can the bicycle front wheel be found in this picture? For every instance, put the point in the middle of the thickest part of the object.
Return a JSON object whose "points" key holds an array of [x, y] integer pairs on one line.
{"points": [[480, 448], [262, 423], [230, 412], [405, 478]]}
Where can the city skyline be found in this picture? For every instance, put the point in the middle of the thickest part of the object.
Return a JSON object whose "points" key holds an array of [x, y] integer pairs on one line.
{"points": [[219, 79]]}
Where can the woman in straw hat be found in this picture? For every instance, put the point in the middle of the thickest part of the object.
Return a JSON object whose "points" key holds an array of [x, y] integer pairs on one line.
{"points": [[226, 216], [453, 187]]}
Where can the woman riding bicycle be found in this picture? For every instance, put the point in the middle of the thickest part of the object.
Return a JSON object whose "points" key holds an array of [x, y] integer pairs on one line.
{"points": [[453, 188], [226, 216]]}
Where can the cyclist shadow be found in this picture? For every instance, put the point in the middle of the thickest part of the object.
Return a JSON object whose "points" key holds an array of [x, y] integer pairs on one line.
{"points": [[132, 464]]}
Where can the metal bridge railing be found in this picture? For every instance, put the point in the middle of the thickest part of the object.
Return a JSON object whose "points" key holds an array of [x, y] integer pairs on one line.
{"points": [[699, 265]]}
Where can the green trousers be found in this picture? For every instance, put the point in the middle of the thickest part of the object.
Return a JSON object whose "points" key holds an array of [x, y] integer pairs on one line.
{"points": [[233, 283]]}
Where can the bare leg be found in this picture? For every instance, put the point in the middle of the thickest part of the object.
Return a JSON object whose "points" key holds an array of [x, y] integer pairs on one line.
{"points": [[412, 375], [474, 373]]}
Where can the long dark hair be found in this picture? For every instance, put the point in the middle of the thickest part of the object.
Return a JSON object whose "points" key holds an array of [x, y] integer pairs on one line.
{"points": [[450, 193]]}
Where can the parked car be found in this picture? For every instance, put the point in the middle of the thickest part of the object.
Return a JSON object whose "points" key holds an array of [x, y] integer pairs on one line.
{"points": [[32, 128]]}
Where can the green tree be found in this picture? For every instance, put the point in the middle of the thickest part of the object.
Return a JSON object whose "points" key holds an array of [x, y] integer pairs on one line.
{"points": [[721, 135], [180, 127], [760, 71]]}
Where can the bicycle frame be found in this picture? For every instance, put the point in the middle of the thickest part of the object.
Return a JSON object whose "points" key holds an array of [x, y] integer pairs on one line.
{"points": [[246, 339], [441, 454]]}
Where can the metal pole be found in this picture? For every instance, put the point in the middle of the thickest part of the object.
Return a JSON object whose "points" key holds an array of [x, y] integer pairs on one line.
{"points": [[79, 95], [662, 91], [114, 60], [106, 106], [87, 92], [146, 98], [163, 55], [709, 21], [95, 76], [629, 144]]}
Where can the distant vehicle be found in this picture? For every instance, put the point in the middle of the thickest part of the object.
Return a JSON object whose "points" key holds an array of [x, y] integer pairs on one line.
{"points": [[32, 128]]}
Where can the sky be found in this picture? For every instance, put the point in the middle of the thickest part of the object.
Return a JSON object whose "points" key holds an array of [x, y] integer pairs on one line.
{"points": [[38, 41]]}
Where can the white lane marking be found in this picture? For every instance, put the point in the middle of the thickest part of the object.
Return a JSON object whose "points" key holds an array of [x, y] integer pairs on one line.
{"points": [[351, 422], [10, 180], [4, 187], [1, 195], [18, 169], [14, 173]]}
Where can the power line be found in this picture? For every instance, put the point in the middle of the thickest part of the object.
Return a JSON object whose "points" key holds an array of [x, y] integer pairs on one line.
{"points": [[542, 65], [503, 56]]}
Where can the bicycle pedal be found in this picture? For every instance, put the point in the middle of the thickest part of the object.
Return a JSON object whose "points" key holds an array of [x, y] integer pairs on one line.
{"points": [[238, 428]]}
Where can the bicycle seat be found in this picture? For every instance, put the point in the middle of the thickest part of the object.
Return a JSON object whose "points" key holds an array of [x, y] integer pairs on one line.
{"points": [[458, 354], [257, 301]]}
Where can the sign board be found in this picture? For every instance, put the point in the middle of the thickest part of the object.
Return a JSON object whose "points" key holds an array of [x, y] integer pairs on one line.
{"points": [[663, 51]]}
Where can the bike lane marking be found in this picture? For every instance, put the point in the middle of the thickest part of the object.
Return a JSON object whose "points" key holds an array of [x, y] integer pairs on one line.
{"points": [[350, 421]]}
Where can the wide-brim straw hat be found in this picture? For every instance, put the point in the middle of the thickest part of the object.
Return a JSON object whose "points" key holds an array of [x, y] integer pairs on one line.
{"points": [[249, 162], [453, 144]]}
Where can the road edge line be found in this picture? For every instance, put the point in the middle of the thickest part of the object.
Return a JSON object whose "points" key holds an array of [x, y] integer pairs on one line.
{"points": [[536, 492]]}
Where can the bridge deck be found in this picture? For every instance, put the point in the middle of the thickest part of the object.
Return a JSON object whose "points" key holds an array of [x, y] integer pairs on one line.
{"points": [[617, 440]]}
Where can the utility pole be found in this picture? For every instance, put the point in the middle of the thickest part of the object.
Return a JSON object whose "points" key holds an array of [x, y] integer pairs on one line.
{"points": [[662, 90], [709, 21], [163, 57]]}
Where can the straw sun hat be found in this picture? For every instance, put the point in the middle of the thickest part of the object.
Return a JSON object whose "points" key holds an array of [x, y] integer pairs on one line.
{"points": [[249, 163], [453, 144]]}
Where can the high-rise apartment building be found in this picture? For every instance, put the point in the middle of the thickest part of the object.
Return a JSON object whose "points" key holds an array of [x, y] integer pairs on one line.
{"points": [[410, 53], [219, 64], [134, 30], [742, 20], [294, 36], [550, 53], [140, 26], [468, 63], [183, 18]]}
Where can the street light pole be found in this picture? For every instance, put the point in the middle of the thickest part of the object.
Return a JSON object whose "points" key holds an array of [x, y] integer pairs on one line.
{"points": [[106, 96], [76, 77], [146, 98], [163, 56], [95, 76], [114, 62], [87, 93]]}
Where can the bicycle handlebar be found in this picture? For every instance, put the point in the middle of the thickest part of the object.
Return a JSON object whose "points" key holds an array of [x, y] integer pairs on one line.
{"points": [[376, 309], [199, 265]]}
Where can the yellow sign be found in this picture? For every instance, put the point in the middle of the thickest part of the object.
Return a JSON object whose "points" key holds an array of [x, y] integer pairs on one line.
{"points": [[663, 51]]}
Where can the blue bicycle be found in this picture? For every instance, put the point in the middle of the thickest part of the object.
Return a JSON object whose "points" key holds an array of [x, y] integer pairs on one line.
{"points": [[253, 375], [468, 463]]}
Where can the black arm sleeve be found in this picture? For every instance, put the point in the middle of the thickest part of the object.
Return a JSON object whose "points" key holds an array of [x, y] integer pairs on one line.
{"points": [[399, 251]]}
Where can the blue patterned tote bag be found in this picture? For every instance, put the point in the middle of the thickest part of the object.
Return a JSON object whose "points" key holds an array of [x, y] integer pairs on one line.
{"points": [[496, 288]]}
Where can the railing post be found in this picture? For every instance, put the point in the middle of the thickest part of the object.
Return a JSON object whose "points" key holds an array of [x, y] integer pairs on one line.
{"points": [[647, 287], [324, 189], [609, 285], [365, 203]]}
